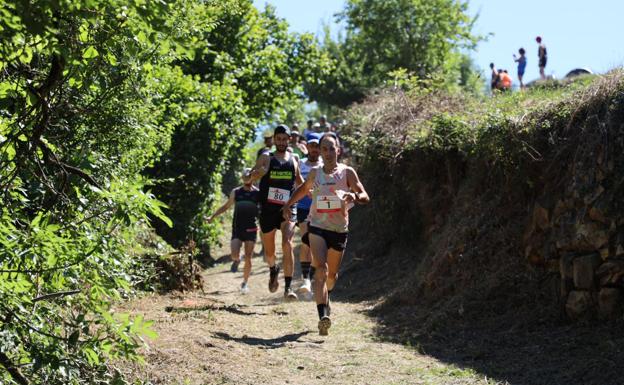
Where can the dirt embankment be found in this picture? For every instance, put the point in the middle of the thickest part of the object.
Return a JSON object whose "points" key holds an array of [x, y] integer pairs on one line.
{"points": [[507, 255]]}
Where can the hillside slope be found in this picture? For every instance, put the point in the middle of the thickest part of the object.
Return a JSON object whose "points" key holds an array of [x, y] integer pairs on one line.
{"points": [[496, 226]]}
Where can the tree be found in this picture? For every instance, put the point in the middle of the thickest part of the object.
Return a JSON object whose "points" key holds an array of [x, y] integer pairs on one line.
{"points": [[249, 69], [422, 37], [81, 115]]}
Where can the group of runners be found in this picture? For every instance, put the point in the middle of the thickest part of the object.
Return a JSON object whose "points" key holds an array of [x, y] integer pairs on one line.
{"points": [[301, 184], [501, 80]]}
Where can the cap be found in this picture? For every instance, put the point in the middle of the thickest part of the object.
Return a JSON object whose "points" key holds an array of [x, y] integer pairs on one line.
{"points": [[246, 172], [281, 129], [313, 137], [267, 134]]}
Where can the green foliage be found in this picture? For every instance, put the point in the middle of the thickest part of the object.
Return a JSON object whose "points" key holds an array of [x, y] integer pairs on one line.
{"points": [[248, 70], [497, 129], [422, 37], [82, 113]]}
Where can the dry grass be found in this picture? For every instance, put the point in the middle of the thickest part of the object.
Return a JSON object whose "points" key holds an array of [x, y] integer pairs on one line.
{"points": [[221, 337]]}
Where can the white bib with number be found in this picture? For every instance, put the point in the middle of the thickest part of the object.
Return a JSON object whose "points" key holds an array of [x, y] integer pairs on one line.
{"points": [[328, 204], [278, 195]]}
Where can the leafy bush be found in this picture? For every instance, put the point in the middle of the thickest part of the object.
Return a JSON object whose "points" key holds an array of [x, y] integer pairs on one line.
{"points": [[81, 115]]}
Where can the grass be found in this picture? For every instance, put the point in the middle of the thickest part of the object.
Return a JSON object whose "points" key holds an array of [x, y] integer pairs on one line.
{"points": [[388, 124]]}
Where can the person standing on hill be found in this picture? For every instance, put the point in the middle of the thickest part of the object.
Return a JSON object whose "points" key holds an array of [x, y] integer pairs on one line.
{"points": [[494, 80], [335, 187], [279, 175], [542, 55], [303, 209], [521, 65], [245, 200]]}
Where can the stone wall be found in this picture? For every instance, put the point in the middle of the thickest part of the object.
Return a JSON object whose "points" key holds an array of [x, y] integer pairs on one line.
{"points": [[580, 235]]}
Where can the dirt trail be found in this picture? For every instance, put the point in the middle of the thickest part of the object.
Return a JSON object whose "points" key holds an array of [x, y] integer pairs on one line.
{"points": [[222, 337]]}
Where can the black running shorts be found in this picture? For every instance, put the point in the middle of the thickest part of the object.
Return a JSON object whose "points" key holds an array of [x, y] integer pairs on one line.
{"points": [[243, 234], [302, 215], [271, 218], [333, 240]]}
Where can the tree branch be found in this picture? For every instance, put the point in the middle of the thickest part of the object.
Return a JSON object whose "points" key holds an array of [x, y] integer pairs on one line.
{"points": [[13, 370], [55, 295]]}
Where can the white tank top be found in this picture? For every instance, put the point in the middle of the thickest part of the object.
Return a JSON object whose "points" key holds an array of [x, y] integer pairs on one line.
{"points": [[328, 210]]}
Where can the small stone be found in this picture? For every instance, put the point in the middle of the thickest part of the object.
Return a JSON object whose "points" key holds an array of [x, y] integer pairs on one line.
{"points": [[579, 305], [583, 270], [611, 273], [300, 367]]}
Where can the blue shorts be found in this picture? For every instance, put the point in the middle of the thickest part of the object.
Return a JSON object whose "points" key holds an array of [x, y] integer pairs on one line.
{"points": [[521, 70]]}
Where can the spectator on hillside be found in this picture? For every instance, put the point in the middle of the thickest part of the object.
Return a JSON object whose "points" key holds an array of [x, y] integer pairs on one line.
{"points": [[505, 81], [494, 80], [542, 55], [521, 65]]}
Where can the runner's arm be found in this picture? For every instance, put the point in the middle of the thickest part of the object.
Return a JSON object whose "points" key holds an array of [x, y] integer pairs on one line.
{"points": [[261, 167], [299, 193], [358, 194], [223, 208]]}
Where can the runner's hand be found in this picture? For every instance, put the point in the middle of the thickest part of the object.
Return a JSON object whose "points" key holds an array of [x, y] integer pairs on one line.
{"points": [[286, 213], [349, 197]]}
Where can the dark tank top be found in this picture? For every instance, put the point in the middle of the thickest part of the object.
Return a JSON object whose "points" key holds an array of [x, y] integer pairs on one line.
{"points": [[278, 184], [245, 208]]}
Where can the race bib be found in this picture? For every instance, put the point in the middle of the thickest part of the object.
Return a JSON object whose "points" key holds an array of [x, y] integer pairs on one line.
{"points": [[278, 195], [328, 204]]}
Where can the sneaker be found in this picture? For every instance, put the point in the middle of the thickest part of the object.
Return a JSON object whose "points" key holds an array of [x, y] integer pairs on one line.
{"points": [[244, 289], [273, 283], [306, 287], [324, 325], [289, 295], [234, 267]]}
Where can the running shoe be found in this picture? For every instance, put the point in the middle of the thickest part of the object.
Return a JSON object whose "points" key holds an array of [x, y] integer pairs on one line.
{"points": [[273, 283], [324, 325], [234, 267], [289, 295], [244, 289], [306, 287]]}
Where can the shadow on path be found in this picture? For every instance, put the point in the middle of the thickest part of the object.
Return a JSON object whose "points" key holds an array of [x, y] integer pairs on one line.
{"points": [[266, 343], [234, 309]]}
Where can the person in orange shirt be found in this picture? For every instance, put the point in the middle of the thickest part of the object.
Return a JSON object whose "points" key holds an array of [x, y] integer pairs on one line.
{"points": [[505, 80]]}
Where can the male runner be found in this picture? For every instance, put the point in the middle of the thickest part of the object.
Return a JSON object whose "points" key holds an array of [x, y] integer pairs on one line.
{"points": [[303, 209], [279, 175], [244, 230], [335, 187]]}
